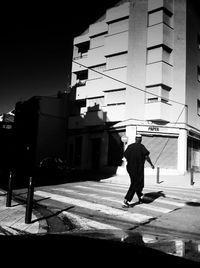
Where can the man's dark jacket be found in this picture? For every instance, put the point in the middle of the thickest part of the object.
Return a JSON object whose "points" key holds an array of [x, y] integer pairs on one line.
{"points": [[135, 155]]}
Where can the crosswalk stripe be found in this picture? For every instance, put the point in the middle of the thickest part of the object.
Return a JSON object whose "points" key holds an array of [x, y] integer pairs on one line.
{"points": [[117, 193], [177, 190], [148, 207], [122, 214], [167, 195], [153, 187], [88, 224], [173, 189], [186, 199]]}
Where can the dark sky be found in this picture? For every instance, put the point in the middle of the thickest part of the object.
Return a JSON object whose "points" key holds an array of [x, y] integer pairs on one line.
{"points": [[36, 46]]}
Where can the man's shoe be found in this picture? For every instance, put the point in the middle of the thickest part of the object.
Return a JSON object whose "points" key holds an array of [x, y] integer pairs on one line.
{"points": [[126, 203]]}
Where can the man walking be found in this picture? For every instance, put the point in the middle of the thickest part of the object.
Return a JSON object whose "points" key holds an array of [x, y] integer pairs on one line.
{"points": [[136, 154]]}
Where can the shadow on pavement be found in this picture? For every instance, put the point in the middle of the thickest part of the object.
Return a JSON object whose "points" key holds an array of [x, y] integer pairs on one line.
{"points": [[193, 204], [55, 178], [150, 197]]}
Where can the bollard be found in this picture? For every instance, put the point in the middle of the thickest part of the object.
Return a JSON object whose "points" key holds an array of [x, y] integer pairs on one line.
{"points": [[191, 176], [9, 192], [29, 204], [158, 175]]}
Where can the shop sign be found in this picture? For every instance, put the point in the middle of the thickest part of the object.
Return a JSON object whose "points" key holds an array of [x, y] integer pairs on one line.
{"points": [[153, 128]]}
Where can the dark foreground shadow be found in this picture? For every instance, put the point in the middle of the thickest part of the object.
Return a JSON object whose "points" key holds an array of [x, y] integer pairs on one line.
{"points": [[76, 250]]}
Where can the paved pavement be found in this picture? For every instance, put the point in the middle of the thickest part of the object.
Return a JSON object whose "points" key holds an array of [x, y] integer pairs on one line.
{"points": [[12, 219]]}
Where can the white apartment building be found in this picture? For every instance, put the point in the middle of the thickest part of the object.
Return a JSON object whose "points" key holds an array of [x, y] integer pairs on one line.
{"points": [[137, 70]]}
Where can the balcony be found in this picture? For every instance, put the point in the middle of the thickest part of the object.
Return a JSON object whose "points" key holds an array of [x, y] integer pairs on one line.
{"points": [[114, 112], [90, 90], [157, 4], [117, 12], [160, 34], [96, 56], [158, 111], [98, 28], [116, 43], [82, 59], [159, 73]]}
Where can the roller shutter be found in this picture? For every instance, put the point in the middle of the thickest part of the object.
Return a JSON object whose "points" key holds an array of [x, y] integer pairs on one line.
{"points": [[163, 149]]}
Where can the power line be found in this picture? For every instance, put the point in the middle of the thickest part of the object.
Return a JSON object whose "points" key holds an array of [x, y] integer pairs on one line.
{"points": [[117, 80]]}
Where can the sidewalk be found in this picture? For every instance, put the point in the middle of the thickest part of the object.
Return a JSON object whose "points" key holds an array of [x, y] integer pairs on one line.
{"points": [[12, 219], [181, 181]]}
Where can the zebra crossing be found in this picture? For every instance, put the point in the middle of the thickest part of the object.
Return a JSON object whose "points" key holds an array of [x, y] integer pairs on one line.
{"points": [[98, 205]]}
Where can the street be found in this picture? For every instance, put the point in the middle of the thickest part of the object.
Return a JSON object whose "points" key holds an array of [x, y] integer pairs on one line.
{"points": [[167, 220]]}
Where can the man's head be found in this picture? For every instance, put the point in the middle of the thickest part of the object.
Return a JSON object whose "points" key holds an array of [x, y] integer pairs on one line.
{"points": [[138, 138]]}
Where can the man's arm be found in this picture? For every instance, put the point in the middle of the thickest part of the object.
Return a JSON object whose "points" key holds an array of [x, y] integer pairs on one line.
{"points": [[149, 161]]}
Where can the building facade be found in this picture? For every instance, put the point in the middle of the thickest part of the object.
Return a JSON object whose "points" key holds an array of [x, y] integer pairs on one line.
{"points": [[137, 70]]}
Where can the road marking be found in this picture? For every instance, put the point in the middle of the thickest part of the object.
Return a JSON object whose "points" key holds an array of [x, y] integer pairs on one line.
{"points": [[153, 200], [144, 206], [122, 214], [88, 224]]}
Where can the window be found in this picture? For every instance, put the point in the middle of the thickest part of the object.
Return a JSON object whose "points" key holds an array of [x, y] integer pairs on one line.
{"points": [[82, 75], [82, 50]]}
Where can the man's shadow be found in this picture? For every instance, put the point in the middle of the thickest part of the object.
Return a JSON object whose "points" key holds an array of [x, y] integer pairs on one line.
{"points": [[149, 198]]}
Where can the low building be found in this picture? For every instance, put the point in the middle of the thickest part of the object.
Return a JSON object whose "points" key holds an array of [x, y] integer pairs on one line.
{"points": [[40, 130]]}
